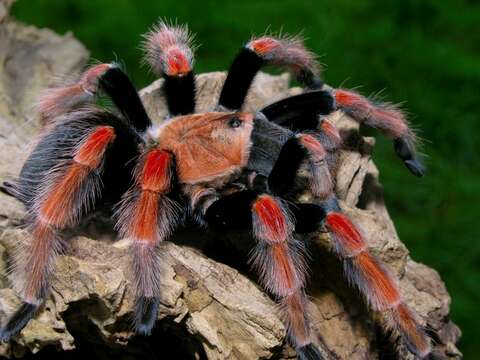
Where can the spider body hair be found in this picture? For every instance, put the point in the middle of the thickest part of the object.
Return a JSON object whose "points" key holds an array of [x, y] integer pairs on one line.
{"points": [[227, 169]]}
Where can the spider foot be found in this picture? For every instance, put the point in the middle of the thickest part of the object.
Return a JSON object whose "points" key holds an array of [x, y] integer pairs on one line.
{"points": [[17, 322], [309, 352], [145, 314], [405, 151], [9, 189], [415, 167]]}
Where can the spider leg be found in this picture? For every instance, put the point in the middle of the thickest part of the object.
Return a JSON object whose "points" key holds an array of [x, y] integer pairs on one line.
{"points": [[300, 148], [65, 193], [370, 276], [116, 84], [362, 269], [59, 99], [239, 78], [278, 257], [111, 79], [287, 52], [147, 217], [301, 112], [280, 260], [8, 188], [385, 117], [169, 51]]}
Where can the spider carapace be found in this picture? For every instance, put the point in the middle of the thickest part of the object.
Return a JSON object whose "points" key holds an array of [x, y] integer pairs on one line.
{"points": [[226, 169]]}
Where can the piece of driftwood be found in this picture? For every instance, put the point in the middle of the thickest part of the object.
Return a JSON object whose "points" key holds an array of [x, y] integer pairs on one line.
{"points": [[211, 305]]}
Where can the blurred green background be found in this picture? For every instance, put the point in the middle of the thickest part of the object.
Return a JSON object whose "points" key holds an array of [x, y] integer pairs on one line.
{"points": [[423, 52]]}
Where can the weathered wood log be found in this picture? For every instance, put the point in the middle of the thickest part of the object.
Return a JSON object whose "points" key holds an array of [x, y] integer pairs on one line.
{"points": [[211, 305]]}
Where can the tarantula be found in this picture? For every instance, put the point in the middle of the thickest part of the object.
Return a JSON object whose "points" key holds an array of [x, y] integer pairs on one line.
{"points": [[226, 169]]}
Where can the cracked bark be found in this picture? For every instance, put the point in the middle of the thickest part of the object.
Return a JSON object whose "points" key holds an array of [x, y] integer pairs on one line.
{"points": [[211, 306]]}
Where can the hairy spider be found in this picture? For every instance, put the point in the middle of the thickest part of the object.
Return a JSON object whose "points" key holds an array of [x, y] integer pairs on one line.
{"points": [[226, 169]]}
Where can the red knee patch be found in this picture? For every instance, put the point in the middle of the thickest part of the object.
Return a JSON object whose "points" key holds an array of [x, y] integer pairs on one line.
{"points": [[156, 171], [347, 236], [177, 62], [270, 221], [90, 152], [331, 131], [153, 178], [346, 98], [91, 76], [381, 286], [169, 49], [95, 72], [285, 51], [314, 146], [264, 45]]}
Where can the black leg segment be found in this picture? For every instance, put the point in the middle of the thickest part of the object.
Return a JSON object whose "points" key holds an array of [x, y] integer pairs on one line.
{"points": [[308, 217], [240, 76], [304, 108], [18, 321], [146, 311], [284, 172], [120, 89], [309, 79], [9, 189], [180, 93], [309, 352], [405, 152], [232, 211]]}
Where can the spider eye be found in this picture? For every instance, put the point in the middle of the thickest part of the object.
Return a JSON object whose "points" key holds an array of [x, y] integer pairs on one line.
{"points": [[235, 122]]}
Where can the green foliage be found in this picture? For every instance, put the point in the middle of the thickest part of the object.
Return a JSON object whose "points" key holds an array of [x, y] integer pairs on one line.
{"points": [[423, 52]]}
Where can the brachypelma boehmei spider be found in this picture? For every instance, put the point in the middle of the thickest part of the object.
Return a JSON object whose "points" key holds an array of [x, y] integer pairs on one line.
{"points": [[226, 169]]}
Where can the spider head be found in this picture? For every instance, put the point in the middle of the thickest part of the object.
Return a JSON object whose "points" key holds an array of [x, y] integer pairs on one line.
{"points": [[231, 132], [207, 146]]}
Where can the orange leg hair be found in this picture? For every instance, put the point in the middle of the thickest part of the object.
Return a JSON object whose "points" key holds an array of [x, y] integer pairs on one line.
{"points": [[58, 100], [68, 191], [279, 259], [384, 117], [321, 183], [147, 217], [373, 280]]}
